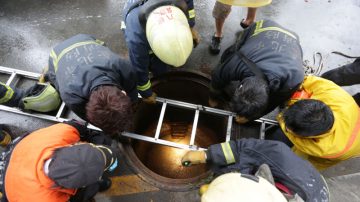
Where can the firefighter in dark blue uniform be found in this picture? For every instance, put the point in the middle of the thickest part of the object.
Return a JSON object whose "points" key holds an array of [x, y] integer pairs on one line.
{"points": [[265, 63], [157, 36], [271, 160], [95, 83]]}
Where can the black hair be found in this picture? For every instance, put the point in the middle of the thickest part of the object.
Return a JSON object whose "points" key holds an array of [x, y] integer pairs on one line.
{"points": [[309, 117], [251, 97]]}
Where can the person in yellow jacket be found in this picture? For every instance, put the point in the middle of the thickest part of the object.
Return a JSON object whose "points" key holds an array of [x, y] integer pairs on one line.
{"points": [[221, 11], [322, 121]]}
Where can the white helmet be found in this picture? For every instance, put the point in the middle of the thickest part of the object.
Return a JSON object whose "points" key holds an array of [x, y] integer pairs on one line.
{"points": [[232, 187], [169, 35], [246, 3]]}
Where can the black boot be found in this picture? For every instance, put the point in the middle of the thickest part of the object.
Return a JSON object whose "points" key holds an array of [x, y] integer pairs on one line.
{"points": [[104, 184], [215, 45]]}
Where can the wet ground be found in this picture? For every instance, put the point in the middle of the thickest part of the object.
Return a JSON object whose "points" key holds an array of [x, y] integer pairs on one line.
{"points": [[29, 28]]}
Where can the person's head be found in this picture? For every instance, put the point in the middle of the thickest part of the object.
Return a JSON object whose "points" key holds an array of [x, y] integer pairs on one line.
{"points": [[110, 109], [169, 35], [79, 165], [308, 117], [234, 187], [250, 99]]}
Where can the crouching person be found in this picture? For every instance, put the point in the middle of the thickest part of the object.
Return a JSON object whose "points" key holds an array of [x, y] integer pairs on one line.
{"points": [[94, 82], [260, 170], [51, 164]]}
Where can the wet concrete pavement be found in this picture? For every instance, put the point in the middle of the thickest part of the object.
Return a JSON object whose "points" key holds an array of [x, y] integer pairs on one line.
{"points": [[30, 28]]}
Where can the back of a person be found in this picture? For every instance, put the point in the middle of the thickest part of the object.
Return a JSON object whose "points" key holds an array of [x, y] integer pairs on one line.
{"points": [[25, 179], [342, 141], [82, 64], [276, 51]]}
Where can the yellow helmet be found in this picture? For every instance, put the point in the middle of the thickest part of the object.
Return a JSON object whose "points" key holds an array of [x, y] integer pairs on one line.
{"points": [[233, 187], [169, 35], [246, 3]]}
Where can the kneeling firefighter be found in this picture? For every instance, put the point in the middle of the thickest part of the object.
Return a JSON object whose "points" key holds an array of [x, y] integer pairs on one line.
{"points": [[159, 34], [260, 170], [52, 164]]}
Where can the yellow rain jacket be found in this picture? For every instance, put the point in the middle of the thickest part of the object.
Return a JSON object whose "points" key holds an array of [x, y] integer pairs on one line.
{"points": [[246, 3], [343, 140]]}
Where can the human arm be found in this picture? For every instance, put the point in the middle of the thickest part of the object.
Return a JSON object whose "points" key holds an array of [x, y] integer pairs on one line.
{"points": [[246, 155], [345, 75]]}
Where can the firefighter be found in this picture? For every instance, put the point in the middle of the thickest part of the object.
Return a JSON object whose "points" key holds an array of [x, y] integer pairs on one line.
{"points": [[257, 167], [51, 164], [264, 67], [95, 83], [346, 75], [158, 34]]}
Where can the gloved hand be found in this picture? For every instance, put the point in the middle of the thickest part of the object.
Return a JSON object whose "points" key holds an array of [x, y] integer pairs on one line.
{"points": [[196, 37], [41, 97], [193, 157], [5, 138], [43, 77], [241, 119], [80, 126], [151, 99], [213, 103]]}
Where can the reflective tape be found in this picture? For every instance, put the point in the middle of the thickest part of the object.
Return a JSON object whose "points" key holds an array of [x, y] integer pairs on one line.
{"points": [[191, 13], [8, 95], [229, 156], [144, 87], [56, 58], [259, 29]]}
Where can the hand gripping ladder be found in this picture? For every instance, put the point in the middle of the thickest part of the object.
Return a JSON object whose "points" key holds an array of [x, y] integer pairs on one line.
{"points": [[165, 102]]}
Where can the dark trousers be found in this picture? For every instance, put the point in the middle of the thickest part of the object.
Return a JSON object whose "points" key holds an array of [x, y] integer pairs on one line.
{"points": [[345, 76], [277, 134]]}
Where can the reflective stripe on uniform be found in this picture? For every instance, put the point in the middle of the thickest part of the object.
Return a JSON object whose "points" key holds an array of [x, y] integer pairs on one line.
{"points": [[145, 86], [259, 29], [8, 94], [56, 58], [229, 156], [350, 142], [191, 13]]}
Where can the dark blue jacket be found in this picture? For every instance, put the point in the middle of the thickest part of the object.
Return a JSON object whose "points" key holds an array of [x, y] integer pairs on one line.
{"points": [[277, 53], [246, 155], [80, 64], [140, 53]]}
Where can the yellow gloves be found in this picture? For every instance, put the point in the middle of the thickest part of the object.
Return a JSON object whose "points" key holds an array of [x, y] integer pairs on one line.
{"points": [[213, 103], [151, 99], [193, 157], [241, 119]]}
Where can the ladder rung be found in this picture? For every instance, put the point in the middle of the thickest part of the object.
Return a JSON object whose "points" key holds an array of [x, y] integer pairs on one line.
{"points": [[262, 131], [161, 118], [194, 127], [228, 128], [60, 111], [12, 76]]}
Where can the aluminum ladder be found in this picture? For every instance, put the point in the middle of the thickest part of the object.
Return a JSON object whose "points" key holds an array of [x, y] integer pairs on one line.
{"points": [[165, 102]]}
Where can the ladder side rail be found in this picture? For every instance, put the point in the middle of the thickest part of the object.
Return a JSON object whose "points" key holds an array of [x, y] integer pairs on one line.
{"points": [[162, 142], [23, 73]]}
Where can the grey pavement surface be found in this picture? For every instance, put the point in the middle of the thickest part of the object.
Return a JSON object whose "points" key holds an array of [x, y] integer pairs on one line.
{"points": [[30, 28]]}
